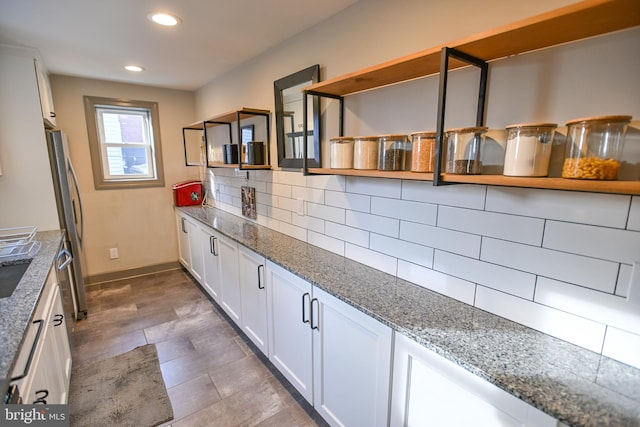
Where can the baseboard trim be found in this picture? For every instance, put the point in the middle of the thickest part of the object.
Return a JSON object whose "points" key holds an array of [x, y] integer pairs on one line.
{"points": [[133, 272]]}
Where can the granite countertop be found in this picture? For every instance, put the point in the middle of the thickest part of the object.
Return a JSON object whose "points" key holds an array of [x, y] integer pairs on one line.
{"points": [[16, 311], [572, 384]]}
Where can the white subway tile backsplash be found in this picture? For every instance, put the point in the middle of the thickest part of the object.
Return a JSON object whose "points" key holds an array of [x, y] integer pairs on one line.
{"points": [[327, 182], [326, 242], [584, 271], [464, 196], [371, 258], [283, 190], [354, 202], [599, 242], [401, 249], [577, 330], [348, 234], [293, 231], [444, 284], [328, 213], [622, 346], [608, 210], [374, 186], [287, 204], [378, 224], [424, 213], [515, 228], [604, 308], [281, 214], [440, 238], [313, 195], [504, 279], [308, 222], [291, 178], [634, 214]]}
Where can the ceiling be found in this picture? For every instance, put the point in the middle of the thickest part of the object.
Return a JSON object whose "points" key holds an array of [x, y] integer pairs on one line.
{"points": [[95, 39]]}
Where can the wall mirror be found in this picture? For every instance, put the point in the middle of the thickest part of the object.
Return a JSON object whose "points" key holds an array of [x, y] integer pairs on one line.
{"points": [[289, 119]]}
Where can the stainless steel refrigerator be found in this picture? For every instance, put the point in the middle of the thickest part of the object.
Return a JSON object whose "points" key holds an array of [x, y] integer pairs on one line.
{"points": [[65, 183]]}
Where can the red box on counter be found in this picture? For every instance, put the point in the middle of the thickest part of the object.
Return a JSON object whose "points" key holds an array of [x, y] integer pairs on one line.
{"points": [[188, 193]]}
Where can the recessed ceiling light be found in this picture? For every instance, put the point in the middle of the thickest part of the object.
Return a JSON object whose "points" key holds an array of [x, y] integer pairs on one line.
{"points": [[164, 19], [135, 68]]}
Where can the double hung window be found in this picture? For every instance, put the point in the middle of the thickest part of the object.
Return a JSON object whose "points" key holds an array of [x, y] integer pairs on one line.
{"points": [[124, 141]]}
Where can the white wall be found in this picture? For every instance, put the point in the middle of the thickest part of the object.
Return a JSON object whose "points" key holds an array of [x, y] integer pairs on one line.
{"points": [[557, 261]]}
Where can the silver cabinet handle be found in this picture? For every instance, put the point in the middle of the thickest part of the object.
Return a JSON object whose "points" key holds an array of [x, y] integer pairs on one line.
{"points": [[184, 229], [212, 245], [66, 262]]}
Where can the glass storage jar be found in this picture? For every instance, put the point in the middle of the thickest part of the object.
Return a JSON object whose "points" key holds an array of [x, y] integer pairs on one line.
{"points": [[423, 151], [342, 152], [394, 153], [528, 149], [464, 150], [593, 147], [365, 152]]}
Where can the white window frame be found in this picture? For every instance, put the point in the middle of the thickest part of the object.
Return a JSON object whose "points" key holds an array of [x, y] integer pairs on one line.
{"points": [[103, 176]]}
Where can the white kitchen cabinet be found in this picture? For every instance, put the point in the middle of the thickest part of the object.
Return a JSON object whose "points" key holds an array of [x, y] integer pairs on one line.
{"points": [[44, 90], [429, 390], [212, 262], [290, 338], [184, 255], [254, 297], [45, 380], [337, 357], [230, 296], [194, 234]]}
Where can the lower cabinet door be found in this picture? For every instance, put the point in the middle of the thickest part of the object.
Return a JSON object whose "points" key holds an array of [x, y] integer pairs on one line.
{"points": [[290, 339], [254, 297], [211, 263], [429, 390], [352, 364], [230, 298], [183, 241]]}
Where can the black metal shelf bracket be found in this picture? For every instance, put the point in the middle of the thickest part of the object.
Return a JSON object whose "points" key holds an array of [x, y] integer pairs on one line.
{"points": [[206, 141], [317, 126], [239, 115], [445, 54]]}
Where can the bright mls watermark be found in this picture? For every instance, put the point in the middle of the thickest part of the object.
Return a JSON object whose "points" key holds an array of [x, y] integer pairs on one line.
{"points": [[35, 415]]}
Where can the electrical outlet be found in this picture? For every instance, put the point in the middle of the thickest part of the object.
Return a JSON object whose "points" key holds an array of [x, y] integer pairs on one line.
{"points": [[113, 253], [300, 206]]}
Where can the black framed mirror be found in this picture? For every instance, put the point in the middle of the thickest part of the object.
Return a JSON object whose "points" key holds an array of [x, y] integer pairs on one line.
{"points": [[289, 119]]}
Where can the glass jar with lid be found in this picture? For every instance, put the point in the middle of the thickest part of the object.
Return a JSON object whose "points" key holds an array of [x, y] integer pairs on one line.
{"points": [[593, 147], [394, 153], [365, 152], [342, 152], [528, 149], [464, 150], [423, 151]]}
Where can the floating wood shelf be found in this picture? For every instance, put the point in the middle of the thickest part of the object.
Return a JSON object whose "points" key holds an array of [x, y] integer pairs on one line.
{"points": [[574, 22], [228, 117], [614, 187]]}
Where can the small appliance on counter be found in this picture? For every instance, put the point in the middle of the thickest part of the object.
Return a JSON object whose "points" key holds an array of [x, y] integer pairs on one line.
{"points": [[187, 193]]}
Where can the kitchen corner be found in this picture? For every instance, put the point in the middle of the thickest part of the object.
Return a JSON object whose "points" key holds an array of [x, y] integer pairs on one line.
{"points": [[574, 385], [17, 310]]}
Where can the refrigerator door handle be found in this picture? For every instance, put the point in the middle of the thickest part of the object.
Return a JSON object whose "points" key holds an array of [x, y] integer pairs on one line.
{"points": [[62, 265], [77, 191]]}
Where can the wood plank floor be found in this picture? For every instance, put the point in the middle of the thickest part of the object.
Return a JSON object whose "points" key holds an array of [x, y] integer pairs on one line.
{"points": [[213, 374]]}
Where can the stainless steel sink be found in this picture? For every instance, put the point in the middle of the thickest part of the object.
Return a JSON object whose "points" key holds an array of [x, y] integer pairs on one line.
{"points": [[10, 276]]}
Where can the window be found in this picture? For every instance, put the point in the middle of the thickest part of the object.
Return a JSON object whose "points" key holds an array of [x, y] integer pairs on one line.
{"points": [[124, 140]]}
